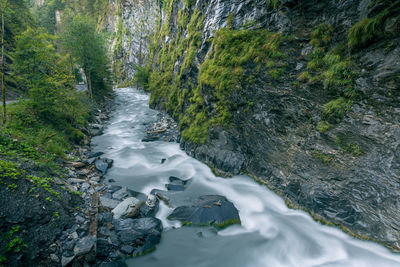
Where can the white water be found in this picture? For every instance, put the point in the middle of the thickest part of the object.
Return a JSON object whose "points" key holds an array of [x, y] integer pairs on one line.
{"points": [[270, 234]]}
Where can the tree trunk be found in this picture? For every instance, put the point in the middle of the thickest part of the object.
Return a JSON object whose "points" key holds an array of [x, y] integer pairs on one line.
{"points": [[3, 89], [89, 82]]}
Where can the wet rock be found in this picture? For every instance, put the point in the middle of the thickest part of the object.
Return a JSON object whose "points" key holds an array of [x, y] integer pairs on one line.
{"points": [[126, 249], [76, 181], [176, 184], [54, 258], [108, 202], [119, 263], [95, 154], [66, 260], [103, 164], [105, 217], [121, 194], [175, 187], [84, 245], [113, 188], [144, 233], [111, 180], [163, 161], [125, 207], [84, 187], [90, 161], [150, 139], [150, 207], [207, 210]]}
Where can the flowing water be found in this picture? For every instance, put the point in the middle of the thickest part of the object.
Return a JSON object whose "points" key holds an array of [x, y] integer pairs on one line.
{"points": [[270, 235]]}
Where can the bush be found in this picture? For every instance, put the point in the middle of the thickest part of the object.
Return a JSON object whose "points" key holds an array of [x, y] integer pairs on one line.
{"points": [[141, 76]]}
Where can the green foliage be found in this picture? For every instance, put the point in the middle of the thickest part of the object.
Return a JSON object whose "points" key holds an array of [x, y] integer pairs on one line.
{"points": [[321, 36], [370, 29], [273, 4], [87, 48], [17, 19], [54, 106], [223, 70], [15, 244], [330, 66], [335, 109], [9, 170], [141, 76], [324, 126], [221, 74], [348, 147], [45, 183], [323, 157]]}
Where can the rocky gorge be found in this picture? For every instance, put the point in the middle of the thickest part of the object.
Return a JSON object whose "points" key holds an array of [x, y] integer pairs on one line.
{"points": [[303, 96]]}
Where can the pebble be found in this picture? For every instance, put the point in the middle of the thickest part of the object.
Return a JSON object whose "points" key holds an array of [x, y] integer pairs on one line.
{"points": [[54, 258], [66, 260]]}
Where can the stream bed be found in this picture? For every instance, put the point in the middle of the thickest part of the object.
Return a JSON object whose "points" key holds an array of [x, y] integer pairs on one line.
{"points": [[270, 234]]}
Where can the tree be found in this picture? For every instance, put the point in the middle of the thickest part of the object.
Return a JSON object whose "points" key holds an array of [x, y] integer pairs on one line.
{"points": [[3, 4], [45, 75], [87, 47]]}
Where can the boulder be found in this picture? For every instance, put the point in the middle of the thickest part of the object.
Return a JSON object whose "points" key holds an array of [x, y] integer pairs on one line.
{"points": [[125, 207], [176, 184], [66, 260], [150, 207], [121, 194], [207, 210], [143, 234], [103, 164], [84, 245], [108, 202]]}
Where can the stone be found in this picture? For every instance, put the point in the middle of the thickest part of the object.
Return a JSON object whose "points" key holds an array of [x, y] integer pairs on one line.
{"points": [[118, 263], [84, 245], [108, 203], [66, 260], [79, 219], [113, 188], [95, 154], [125, 207], [127, 250], [176, 184], [76, 181], [90, 161], [111, 180], [207, 210], [105, 217], [175, 187], [163, 161], [95, 179], [150, 207], [54, 258], [121, 194], [143, 232], [84, 187], [103, 164]]}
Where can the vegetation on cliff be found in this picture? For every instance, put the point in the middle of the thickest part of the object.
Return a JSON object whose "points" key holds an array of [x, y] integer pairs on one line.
{"points": [[47, 121]]}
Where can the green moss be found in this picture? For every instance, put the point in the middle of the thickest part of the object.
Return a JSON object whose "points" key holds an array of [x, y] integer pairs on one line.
{"points": [[370, 29], [335, 110], [273, 4], [323, 157], [348, 147], [324, 126], [304, 76], [220, 75]]}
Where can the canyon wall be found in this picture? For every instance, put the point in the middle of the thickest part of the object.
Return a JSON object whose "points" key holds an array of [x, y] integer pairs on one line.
{"points": [[302, 95]]}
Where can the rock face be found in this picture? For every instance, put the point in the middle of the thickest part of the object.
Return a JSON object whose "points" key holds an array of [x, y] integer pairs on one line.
{"points": [[207, 210], [317, 120], [133, 21]]}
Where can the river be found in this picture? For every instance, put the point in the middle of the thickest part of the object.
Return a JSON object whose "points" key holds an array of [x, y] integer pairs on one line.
{"points": [[270, 235]]}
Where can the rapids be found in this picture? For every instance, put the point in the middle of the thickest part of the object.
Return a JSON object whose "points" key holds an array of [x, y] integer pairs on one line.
{"points": [[270, 235]]}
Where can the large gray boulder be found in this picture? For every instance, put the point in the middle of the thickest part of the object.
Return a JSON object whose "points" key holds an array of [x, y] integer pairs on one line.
{"points": [[207, 210]]}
